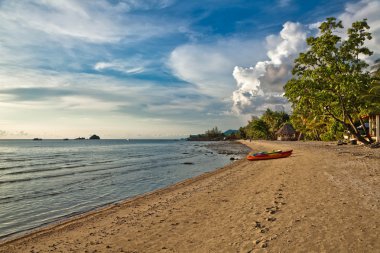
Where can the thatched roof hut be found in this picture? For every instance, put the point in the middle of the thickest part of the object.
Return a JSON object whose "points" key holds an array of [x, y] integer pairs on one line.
{"points": [[286, 133]]}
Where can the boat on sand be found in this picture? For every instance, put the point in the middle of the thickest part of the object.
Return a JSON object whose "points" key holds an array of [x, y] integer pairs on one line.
{"points": [[263, 155]]}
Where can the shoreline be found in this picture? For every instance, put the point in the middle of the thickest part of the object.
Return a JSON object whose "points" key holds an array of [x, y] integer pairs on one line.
{"points": [[244, 206]]}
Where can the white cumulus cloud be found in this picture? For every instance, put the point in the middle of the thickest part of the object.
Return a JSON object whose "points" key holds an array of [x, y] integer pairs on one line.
{"points": [[260, 87]]}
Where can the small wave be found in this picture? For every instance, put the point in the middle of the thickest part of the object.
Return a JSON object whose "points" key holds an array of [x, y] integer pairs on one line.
{"points": [[33, 171], [36, 164], [12, 167], [15, 180], [16, 159], [66, 189], [14, 199], [69, 173], [102, 162], [66, 166]]}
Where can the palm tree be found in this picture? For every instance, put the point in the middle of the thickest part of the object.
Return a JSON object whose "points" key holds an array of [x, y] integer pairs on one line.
{"points": [[375, 89]]}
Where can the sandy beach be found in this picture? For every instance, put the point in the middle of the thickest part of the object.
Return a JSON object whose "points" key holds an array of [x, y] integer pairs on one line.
{"points": [[324, 198]]}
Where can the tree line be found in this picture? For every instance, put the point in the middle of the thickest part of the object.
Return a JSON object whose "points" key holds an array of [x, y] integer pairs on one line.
{"points": [[213, 134]]}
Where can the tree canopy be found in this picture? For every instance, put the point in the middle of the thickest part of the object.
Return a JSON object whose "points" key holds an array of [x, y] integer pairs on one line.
{"points": [[330, 78], [266, 126], [214, 133]]}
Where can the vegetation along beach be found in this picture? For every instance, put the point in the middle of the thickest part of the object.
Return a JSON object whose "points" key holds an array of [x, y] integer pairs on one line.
{"points": [[189, 126]]}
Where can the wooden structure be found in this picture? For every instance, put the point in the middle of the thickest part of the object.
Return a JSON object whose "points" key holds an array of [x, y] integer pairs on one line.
{"points": [[374, 126], [286, 133]]}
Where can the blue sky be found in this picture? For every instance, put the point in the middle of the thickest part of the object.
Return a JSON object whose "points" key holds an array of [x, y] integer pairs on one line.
{"points": [[152, 69]]}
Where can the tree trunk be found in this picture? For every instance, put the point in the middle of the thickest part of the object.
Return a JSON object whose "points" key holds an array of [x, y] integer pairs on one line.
{"points": [[351, 128], [300, 136], [365, 130], [357, 134]]}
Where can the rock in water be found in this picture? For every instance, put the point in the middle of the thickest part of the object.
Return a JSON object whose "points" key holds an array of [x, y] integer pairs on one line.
{"points": [[94, 137]]}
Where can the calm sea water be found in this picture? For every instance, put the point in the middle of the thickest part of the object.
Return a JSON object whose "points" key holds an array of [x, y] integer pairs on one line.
{"points": [[44, 181]]}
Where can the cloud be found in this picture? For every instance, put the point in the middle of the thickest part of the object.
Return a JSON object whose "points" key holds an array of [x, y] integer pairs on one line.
{"points": [[75, 35], [97, 21], [207, 66], [130, 5], [370, 10], [284, 3], [39, 89], [13, 133], [120, 66], [78, 93], [261, 86]]}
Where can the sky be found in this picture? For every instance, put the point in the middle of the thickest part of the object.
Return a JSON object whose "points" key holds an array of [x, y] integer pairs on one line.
{"points": [[154, 68]]}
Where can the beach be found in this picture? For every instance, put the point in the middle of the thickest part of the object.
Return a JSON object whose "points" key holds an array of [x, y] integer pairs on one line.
{"points": [[323, 198]]}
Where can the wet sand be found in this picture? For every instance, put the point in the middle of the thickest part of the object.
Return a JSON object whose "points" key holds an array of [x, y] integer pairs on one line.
{"points": [[324, 198]]}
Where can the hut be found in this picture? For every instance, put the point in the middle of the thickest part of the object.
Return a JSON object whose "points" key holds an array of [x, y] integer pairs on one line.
{"points": [[286, 133]]}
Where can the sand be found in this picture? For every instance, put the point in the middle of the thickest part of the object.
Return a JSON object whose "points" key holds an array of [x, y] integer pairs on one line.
{"points": [[324, 198]]}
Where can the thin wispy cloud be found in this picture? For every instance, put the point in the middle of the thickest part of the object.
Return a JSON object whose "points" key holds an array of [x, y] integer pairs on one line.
{"points": [[284, 3], [120, 66], [95, 21]]}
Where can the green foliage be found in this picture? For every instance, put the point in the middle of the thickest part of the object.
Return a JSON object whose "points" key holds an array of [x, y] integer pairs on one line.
{"points": [[334, 131], [317, 128], [210, 135], [264, 127], [258, 129], [329, 79], [374, 93], [242, 133], [213, 133], [274, 121], [310, 127]]}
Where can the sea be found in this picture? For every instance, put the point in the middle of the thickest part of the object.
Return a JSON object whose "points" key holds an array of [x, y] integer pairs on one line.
{"points": [[46, 181]]}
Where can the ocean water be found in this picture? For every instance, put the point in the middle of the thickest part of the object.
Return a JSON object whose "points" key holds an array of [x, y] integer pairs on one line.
{"points": [[45, 181]]}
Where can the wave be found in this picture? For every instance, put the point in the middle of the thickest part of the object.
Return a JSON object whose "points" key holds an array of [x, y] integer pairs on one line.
{"points": [[69, 173], [50, 192]]}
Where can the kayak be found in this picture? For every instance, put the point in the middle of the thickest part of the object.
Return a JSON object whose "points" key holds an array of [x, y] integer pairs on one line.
{"points": [[268, 155]]}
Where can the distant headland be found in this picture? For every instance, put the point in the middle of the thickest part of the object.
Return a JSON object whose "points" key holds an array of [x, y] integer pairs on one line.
{"points": [[215, 135]]}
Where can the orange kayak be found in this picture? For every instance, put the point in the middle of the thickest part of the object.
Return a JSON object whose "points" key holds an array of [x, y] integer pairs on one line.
{"points": [[268, 155]]}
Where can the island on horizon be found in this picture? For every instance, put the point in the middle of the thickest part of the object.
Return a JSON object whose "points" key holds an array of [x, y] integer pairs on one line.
{"points": [[94, 137]]}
